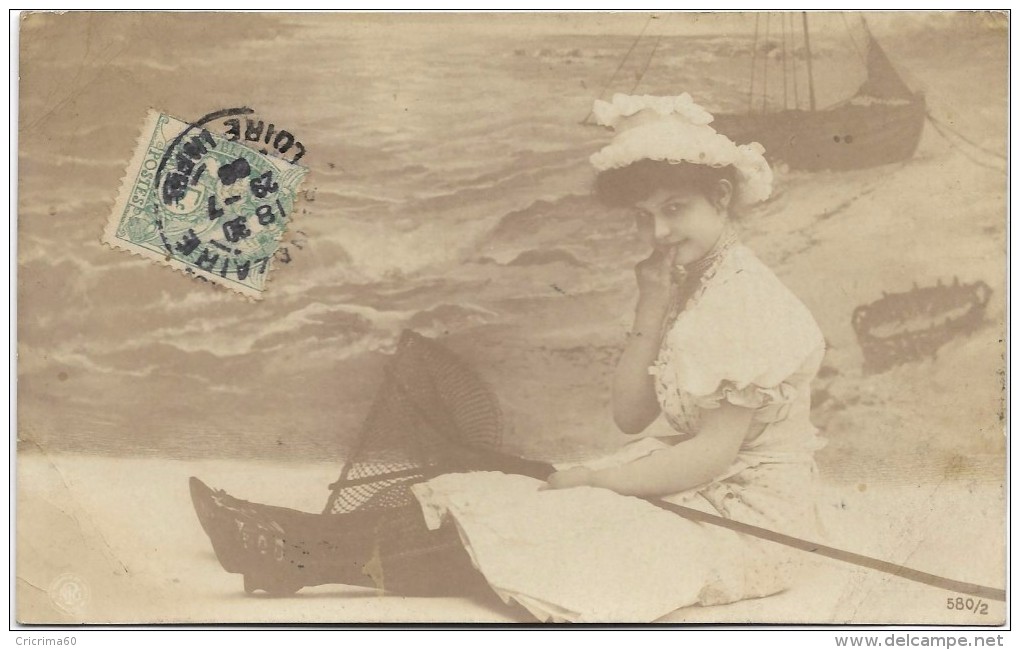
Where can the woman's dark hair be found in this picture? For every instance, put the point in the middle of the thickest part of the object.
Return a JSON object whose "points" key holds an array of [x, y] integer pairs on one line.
{"points": [[625, 186]]}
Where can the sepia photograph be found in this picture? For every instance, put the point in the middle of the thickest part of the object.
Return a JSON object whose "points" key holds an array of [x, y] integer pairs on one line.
{"points": [[511, 318]]}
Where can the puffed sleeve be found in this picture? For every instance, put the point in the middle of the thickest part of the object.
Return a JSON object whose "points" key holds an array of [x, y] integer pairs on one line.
{"points": [[748, 341]]}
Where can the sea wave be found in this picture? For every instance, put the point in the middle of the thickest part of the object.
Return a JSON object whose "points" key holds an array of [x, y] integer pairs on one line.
{"points": [[445, 318]]}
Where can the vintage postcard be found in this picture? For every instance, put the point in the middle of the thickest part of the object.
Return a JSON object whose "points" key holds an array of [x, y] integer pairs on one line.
{"points": [[512, 318]]}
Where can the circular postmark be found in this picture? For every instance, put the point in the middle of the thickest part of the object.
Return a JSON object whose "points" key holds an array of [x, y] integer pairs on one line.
{"points": [[209, 198], [222, 208], [70, 593]]}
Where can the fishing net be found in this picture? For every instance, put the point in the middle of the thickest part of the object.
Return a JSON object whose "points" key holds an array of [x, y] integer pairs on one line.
{"points": [[433, 414]]}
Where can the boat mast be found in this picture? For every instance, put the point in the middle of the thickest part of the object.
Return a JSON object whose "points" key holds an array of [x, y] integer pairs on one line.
{"points": [[807, 51], [754, 64], [765, 69], [793, 63], [622, 63], [782, 31]]}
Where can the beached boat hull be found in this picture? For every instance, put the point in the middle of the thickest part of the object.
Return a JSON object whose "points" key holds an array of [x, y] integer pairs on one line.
{"points": [[845, 137]]}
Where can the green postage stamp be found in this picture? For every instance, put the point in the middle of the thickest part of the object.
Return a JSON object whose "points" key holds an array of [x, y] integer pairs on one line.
{"points": [[204, 204]]}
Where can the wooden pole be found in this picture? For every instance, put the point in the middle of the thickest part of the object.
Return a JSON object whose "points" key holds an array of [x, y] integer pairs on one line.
{"points": [[891, 568], [807, 51]]}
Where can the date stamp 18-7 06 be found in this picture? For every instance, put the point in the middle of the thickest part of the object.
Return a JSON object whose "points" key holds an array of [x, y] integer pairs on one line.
{"points": [[201, 203]]}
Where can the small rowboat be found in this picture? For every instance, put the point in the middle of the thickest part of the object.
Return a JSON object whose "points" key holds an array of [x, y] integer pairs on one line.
{"points": [[914, 324]]}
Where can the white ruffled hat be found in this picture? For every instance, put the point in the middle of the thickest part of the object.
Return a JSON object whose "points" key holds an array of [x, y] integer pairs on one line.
{"points": [[677, 130]]}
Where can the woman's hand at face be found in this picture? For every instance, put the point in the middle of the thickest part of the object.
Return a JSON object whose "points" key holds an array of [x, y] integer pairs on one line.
{"points": [[655, 278], [568, 478]]}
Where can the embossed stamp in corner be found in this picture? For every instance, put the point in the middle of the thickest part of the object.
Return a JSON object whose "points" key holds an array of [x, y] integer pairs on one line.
{"points": [[200, 203], [70, 593]]}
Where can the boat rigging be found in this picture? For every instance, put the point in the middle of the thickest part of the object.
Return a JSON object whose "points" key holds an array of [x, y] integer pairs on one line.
{"points": [[880, 123]]}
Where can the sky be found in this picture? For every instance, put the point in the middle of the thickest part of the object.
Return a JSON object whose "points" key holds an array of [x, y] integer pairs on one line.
{"points": [[676, 23]]}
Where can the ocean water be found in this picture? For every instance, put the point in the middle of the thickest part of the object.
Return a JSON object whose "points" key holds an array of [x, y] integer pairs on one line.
{"points": [[449, 192]]}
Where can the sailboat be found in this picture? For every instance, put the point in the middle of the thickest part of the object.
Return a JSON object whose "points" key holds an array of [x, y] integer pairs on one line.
{"points": [[880, 124]]}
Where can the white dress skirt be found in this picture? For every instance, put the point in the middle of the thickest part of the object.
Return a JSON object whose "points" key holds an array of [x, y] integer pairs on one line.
{"points": [[590, 555]]}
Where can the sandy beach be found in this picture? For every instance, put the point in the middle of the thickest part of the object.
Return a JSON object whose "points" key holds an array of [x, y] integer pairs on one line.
{"points": [[124, 529]]}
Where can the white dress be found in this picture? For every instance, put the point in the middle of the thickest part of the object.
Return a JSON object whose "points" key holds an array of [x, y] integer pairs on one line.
{"points": [[590, 555]]}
